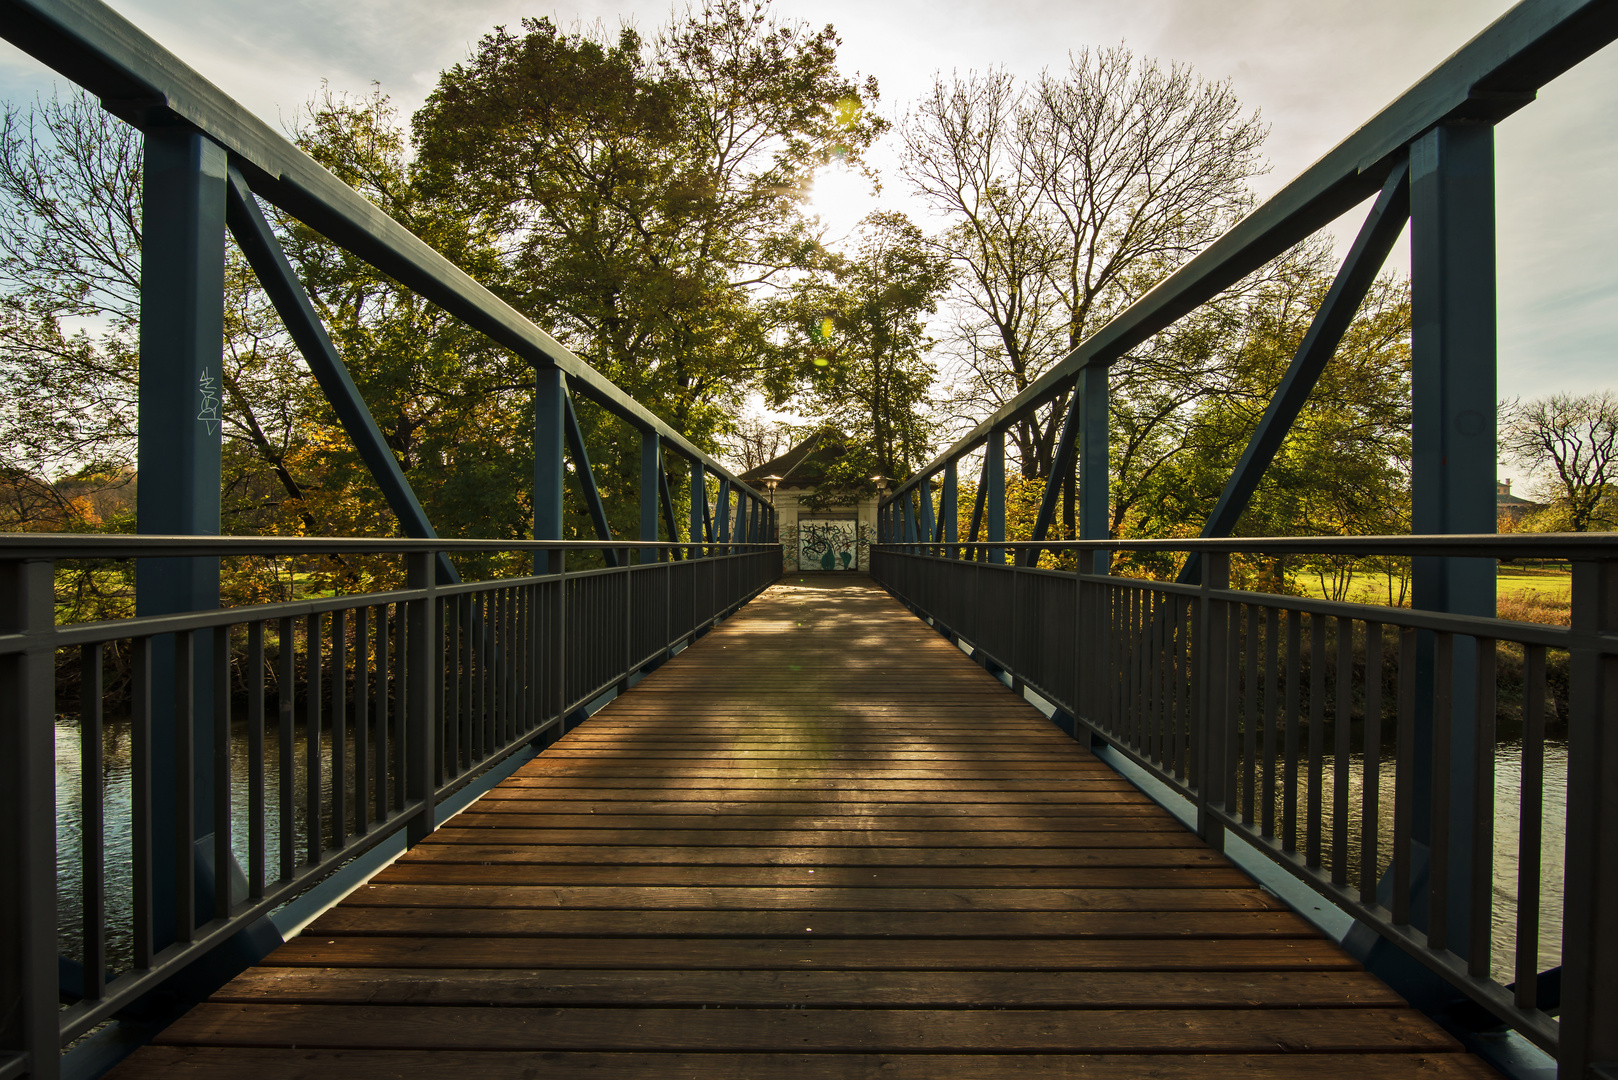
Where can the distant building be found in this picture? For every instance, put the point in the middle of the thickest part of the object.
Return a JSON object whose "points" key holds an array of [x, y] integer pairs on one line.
{"points": [[832, 538], [1508, 505]]}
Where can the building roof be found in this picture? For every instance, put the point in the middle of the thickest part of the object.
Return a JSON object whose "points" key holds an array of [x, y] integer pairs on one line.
{"points": [[804, 465]]}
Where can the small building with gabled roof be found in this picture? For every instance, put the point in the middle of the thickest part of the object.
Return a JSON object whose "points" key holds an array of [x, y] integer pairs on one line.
{"points": [[818, 537]]}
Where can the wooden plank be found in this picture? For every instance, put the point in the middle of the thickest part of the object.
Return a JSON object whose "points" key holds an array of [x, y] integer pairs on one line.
{"points": [[808, 952], [195, 1063], [473, 922], [826, 1030], [936, 989], [525, 854], [717, 827], [417, 871], [809, 898]]}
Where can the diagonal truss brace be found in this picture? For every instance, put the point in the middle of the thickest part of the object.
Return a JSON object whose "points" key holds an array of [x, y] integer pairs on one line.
{"points": [[257, 241], [587, 480], [1376, 238], [1061, 467], [665, 498]]}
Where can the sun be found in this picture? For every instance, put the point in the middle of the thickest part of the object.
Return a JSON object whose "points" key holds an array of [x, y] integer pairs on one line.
{"points": [[840, 197]]}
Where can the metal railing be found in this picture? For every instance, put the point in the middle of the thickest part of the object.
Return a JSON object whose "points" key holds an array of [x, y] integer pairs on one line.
{"points": [[357, 715], [1329, 736]]}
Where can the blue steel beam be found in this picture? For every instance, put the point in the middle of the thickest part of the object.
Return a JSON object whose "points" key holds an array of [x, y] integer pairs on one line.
{"points": [[699, 508], [178, 446], [948, 512], [1364, 261], [994, 471], [1061, 465], [722, 512], [587, 481], [1453, 449], [1094, 475], [550, 471], [651, 473], [257, 241], [977, 507], [666, 498]]}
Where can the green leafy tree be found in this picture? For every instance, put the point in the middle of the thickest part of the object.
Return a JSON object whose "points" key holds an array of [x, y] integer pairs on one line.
{"points": [[860, 353], [646, 192]]}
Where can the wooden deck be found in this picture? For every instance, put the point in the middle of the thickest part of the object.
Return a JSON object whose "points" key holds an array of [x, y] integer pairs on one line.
{"points": [[820, 843]]}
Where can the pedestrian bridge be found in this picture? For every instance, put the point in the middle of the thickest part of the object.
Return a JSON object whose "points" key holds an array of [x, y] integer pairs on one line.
{"points": [[982, 813], [820, 842]]}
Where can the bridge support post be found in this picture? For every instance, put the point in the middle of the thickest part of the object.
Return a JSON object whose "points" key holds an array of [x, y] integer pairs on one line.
{"points": [[549, 427], [651, 476], [1093, 473], [182, 333], [924, 492], [1453, 447], [994, 476], [28, 993], [699, 506], [948, 511]]}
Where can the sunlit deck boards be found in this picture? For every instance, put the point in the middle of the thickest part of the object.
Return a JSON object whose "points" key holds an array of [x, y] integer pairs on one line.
{"points": [[820, 843]]}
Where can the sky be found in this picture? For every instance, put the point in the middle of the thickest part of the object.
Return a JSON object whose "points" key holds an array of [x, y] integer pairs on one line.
{"points": [[1315, 69]]}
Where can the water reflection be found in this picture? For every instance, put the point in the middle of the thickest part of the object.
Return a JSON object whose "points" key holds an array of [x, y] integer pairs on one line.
{"points": [[117, 833], [1507, 801]]}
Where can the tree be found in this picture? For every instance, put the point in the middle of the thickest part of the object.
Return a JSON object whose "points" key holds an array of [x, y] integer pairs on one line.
{"points": [[860, 352], [1069, 200], [645, 194], [1571, 442]]}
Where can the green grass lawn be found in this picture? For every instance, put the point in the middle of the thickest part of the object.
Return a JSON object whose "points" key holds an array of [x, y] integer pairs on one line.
{"points": [[1545, 586]]}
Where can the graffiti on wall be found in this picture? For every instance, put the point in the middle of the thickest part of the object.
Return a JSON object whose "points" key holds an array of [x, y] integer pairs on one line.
{"points": [[828, 545]]}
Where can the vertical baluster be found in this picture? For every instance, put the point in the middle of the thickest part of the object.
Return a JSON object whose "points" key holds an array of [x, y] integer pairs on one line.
{"points": [[1344, 718], [185, 795], [1371, 767], [286, 764], [1480, 894], [379, 729], [466, 618], [223, 859], [1403, 769], [1292, 735], [1250, 720], [362, 720], [1317, 737], [1233, 706], [1272, 713], [255, 760], [1182, 689], [92, 810], [1152, 663], [399, 652], [312, 780], [1443, 702], [1530, 828], [140, 808], [339, 728]]}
